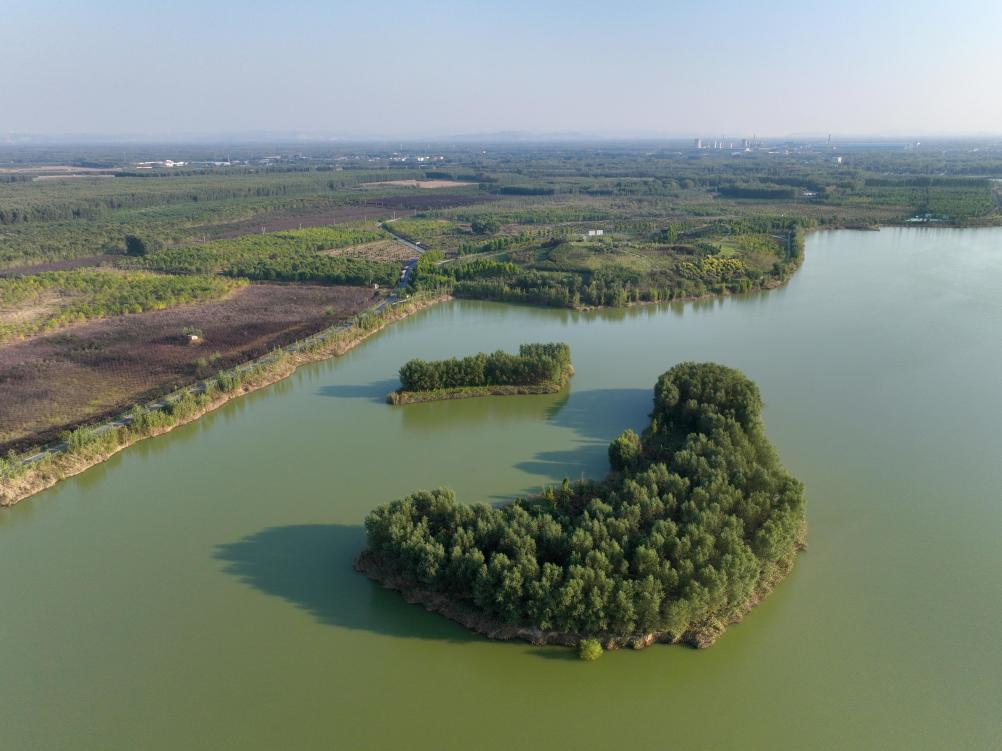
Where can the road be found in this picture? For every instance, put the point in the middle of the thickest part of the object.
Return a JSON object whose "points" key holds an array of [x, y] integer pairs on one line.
{"points": [[409, 266]]}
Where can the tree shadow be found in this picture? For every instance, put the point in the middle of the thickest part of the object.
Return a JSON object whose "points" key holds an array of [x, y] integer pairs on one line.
{"points": [[562, 654], [602, 414], [309, 566], [468, 414], [375, 391], [584, 462], [597, 416]]}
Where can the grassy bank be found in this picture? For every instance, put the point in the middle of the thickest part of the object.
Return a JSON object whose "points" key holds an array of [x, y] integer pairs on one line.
{"points": [[87, 446], [468, 392]]}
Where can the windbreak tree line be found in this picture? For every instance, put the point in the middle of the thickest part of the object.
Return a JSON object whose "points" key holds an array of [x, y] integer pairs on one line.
{"points": [[534, 364], [86, 294], [695, 522], [291, 256]]}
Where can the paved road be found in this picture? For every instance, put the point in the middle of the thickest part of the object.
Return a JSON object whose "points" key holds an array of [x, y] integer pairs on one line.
{"points": [[410, 265]]}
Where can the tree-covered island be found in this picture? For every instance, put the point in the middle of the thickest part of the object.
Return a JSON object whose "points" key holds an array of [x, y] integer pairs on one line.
{"points": [[536, 369], [696, 522]]}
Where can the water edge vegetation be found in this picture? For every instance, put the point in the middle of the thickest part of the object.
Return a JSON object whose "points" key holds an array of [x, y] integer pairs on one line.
{"points": [[536, 369]]}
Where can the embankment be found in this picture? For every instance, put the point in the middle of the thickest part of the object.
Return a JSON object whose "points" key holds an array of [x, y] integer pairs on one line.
{"points": [[86, 447]]}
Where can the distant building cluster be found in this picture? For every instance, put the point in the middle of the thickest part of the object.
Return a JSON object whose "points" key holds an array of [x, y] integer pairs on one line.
{"points": [[746, 144], [417, 158], [162, 163], [753, 144]]}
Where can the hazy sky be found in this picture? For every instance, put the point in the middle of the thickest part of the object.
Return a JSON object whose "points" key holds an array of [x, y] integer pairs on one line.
{"points": [[396, 68]]}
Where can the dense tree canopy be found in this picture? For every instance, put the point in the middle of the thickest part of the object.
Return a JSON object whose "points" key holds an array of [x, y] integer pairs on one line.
{"points": [[696, 517], [534, 364]]}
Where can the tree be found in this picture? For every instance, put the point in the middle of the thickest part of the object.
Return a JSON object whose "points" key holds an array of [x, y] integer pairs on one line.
{"points": [[486, 225], [624, 452], [696, 517], [138, 246]]}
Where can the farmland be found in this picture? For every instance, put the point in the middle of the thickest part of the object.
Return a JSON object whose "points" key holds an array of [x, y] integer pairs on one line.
{"points": [[55, 299], [255, 252], [55, 381]]}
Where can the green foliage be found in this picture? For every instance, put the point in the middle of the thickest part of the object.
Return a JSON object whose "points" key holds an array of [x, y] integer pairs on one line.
{"points": [[87, 439], [682, 532], [589, 650], [428, 232], [86, 294], [281, 256], [534, 364], [92, 198], [625, 451], [485, 225], [11, 466], [758, 190], [138, 246]]}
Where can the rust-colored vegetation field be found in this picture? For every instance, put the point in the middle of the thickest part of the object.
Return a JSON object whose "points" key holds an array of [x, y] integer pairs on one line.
{"points": [[96, 369]]}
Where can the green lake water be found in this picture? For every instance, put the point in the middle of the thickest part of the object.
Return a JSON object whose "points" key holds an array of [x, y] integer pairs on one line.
{"points": [[196, 591]]}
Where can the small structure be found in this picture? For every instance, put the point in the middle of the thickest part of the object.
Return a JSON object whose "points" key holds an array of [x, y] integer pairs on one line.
{"points": [[194, 338], [595, 232]]}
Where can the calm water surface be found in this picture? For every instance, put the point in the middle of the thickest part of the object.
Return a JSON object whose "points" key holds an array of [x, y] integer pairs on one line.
{"points": [[195, 592]]}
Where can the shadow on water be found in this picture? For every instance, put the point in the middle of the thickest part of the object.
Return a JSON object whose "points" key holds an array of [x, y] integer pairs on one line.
{"points": [[375, 391], [561, 654], [596, 416], [469, 414], [309, 566], [602, 414]]}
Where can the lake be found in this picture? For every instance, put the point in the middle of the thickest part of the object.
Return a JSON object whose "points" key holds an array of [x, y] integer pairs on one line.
{"points": [[196, 591]]}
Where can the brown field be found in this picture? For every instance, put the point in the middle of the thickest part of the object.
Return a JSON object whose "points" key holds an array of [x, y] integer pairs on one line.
{"points": [[54, 169], [97, 369], [380, 250], [426, 184], [39, 308], [381, 207], [72, 263], [69, 176]]}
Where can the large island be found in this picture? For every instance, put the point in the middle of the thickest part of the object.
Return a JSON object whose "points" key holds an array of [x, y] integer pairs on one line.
{"points": [[696, 522]]}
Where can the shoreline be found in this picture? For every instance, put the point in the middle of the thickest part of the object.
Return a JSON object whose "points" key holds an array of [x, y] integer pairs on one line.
{"points": [[256, 374], [56, 466], [699, 635]]}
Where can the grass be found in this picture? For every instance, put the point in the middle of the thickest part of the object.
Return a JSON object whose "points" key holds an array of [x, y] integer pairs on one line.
{"points": [[59, 298], [292, 256]]}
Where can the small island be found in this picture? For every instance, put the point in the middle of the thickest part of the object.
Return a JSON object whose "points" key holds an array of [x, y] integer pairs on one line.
{"points": [[696, 522], [536, 369]]}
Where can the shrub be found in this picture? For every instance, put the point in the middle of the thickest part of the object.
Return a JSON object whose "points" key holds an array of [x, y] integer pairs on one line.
{"points": [[589, 650]]}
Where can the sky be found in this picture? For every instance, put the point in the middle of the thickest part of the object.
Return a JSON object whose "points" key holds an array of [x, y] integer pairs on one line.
{"points": [[396, 69]]}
